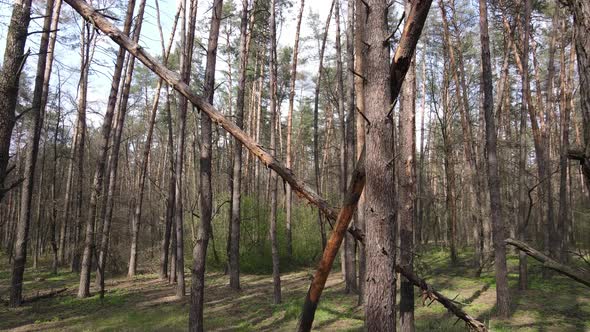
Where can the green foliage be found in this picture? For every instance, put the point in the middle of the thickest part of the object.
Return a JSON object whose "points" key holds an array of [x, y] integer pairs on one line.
{"points": [[255, 250]]}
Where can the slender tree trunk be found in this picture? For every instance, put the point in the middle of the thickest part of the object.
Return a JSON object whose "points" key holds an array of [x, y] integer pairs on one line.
{"points": [[196, 322], [350, 247], [407, 192], [316, 138], [14, 61], [421, 201], [37, 113], [53, 235], [289, 157], [111, 182], [581, 11], [136, 222], [565, 110], [168, 228], [359, 87], [234, 243], [348, 269], [187, 39], [502, 292], [38, 210], [273, 177], [458, 70], [48, 68]]}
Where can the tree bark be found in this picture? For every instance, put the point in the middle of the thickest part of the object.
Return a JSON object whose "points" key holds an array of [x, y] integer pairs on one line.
{"points": [[14, 61], [349, 270], [136, 222], [502, 292], [196, 322], [111, 183], [289, 157], [276, 277], [350, 246], [458, 72], [581, 12], [407, 191], [380, 292], [316, 138], [359, 87], [234, 243], [165, 246], [37, 113], [186, 41]]}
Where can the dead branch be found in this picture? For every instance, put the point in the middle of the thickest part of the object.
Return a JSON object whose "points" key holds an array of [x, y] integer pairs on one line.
{"points": [[429, 293], [578, 275], [41, 296]]}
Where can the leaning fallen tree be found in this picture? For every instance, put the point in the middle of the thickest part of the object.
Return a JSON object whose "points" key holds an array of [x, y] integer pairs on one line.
{"points": [[429, 293], [578, 275], [343, 216]]}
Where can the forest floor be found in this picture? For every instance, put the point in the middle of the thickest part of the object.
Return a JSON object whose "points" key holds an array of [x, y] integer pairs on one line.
{"points": [[147, 304]]}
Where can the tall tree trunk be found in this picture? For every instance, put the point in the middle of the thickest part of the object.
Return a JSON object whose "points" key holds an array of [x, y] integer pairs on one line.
{"points": [[446, 125], [48, 68], [380, 292], [458, 73], [289, 157], [196, 322], [421, 201], [98, 180], [187, 38], [407, 191], [88, 44], [39, 210], [350, 247], [276, 277], [565, 97], [111, 182], [359, 87], [37, 113], [502, 295], [136, 222], [67, 205], [522, 186], [14, 61], [234, 243], [53, 233], [168, 229], [316, 138], [348, 269], [581, 12]]}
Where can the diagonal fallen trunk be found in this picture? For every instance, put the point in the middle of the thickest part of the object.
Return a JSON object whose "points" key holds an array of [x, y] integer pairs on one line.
{"points": [[46, 295], [429, 293], [578, 275], [101, 23]]}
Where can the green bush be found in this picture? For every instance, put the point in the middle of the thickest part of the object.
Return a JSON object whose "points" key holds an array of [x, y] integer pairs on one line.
{"points": [[255, 248]]}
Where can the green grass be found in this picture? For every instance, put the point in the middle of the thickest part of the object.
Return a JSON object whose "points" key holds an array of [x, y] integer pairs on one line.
{"points": [[146, 304]]}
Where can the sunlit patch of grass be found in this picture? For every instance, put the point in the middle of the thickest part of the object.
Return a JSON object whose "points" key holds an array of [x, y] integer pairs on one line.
{"points": [[554, 304]]}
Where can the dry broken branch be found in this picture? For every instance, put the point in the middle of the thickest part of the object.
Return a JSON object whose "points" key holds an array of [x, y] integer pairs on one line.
{"points": [[578, 275], [433, 295]]}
